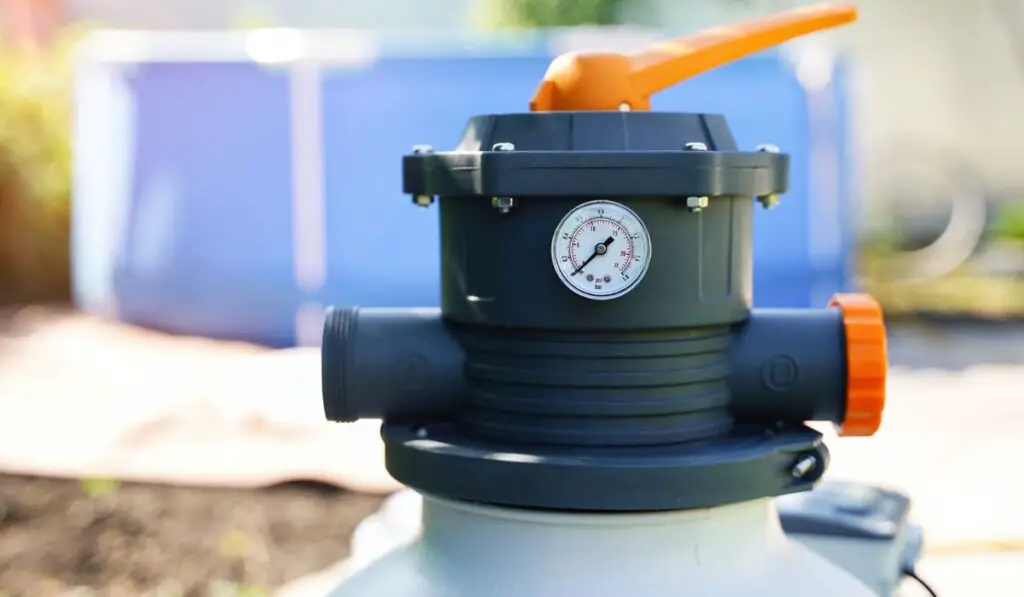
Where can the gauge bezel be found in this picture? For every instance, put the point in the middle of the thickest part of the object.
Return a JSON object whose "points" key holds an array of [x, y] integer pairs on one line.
{"points": [[645, 259]]}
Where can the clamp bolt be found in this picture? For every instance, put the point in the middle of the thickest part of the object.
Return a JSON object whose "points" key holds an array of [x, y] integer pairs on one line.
{"points": [[696, 204], [804, 466], [422, 200], [768, 201], [503, 204]]}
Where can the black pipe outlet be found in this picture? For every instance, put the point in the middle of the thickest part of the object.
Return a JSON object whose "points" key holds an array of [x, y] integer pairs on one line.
{"points": [[780, 365], [389, 364]]}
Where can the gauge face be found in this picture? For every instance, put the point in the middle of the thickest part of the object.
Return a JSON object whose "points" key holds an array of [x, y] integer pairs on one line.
{"points": [[601, 250]]}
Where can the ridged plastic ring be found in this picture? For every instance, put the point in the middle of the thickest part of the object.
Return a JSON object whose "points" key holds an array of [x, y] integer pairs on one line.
{"points": [[866, 363]]}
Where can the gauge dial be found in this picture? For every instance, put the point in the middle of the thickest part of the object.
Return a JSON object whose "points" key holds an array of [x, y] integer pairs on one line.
{"points": [[601, 250]]}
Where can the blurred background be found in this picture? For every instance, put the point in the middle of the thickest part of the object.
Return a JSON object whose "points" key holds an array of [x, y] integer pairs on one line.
{"points": [[183, 189], [908, 119]]}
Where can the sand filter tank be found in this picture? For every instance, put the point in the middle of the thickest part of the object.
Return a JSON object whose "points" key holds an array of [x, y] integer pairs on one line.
{"points": [[596, 408]]}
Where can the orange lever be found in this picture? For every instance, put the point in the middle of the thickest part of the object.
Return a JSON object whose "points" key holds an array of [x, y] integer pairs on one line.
{"points": [[610, 81]]}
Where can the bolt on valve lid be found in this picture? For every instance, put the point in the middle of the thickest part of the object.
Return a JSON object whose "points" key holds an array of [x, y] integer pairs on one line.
{"points": [[866, 363]]}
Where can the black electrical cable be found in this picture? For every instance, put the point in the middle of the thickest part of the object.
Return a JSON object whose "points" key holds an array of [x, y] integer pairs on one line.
{"points": [[911, 573]]}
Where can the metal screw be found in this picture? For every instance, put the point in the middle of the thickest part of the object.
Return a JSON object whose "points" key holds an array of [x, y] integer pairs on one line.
{"points": [[503, 204], [768, 201], [625, 107], [696, 204], [771, 200], [421, 432], [804, 466], [422, 200]]}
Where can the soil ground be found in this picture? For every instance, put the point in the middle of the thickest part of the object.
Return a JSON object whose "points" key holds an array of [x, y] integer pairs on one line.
{"points": [[65, 537]]}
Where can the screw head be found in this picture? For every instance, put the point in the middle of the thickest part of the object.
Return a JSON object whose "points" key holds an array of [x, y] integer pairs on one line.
{"points": [[696, 204], [768, 201], [503, 204], [804, 466], [696, 146], [423, 200], [422, 149], [503, 147]]}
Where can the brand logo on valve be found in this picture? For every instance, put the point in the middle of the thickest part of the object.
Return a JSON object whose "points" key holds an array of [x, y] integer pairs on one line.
{"points": [[412, 372]]}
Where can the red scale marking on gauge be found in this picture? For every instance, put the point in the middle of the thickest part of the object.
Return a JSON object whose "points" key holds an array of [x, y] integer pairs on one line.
{"points": [[573, 242]]}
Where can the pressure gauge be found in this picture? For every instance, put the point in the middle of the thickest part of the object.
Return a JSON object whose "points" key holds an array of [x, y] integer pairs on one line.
{"points": [[601, 250]]}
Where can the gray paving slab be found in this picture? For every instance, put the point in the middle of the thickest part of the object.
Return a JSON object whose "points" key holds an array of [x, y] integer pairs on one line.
{"points": [[955, 443]]}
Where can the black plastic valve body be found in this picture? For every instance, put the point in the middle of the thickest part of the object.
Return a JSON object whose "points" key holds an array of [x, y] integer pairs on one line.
{"points": [[518, 391]]}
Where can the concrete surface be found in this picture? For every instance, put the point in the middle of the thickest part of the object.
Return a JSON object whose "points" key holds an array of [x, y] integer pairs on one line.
{"points": [[977, 575], [956, 346], [952, 441], [953, 438], [82, 397]]}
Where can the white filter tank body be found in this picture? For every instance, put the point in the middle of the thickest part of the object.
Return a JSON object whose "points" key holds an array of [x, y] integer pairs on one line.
{"points": [[473, 550]]}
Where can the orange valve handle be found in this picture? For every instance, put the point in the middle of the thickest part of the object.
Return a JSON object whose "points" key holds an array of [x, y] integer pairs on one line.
{"points": [[594, 81], [866, 363]]}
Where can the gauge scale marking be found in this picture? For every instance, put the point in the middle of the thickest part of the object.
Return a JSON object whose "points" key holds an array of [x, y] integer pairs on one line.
{"points": [[601, 250]]}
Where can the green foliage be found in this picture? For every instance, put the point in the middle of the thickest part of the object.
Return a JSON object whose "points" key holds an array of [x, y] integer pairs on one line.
{"points": [[35, 175], [537, 14], [221, 588], [964, 292], [100, 486], [235, 545], [1009, 222]]}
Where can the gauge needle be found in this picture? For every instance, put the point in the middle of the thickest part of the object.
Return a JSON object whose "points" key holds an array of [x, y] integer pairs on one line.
{"points": [[600, 249]]}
